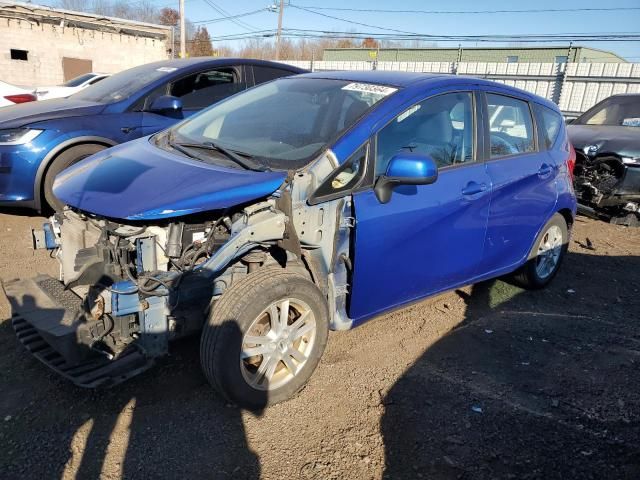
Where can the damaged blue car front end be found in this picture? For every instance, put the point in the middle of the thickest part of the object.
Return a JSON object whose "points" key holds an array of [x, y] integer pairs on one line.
{"points": [[157, 229]]}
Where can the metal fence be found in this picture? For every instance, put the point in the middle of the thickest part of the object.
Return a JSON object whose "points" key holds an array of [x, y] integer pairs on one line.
{"points": [[575, 87]]}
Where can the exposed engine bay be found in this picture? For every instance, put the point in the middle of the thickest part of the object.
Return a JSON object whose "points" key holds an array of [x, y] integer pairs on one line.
{"points": [[127, 289], [608, 187], [111, 266]]}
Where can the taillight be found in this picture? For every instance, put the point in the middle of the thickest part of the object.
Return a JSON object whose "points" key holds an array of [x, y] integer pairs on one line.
{"points": [[21, 98], [571, 161]]}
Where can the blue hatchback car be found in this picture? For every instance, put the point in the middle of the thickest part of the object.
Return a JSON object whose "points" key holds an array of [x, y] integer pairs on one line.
{"points": [[306, 204], [40, 139]]}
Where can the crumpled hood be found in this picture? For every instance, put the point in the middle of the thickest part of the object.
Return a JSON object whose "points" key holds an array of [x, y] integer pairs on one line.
{"points": [[15, 116], [624, 141], [138, 181]]}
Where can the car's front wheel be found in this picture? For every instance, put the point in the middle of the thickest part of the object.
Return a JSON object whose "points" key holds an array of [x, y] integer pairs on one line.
{"points": [[264, 337], [67, 158], [546, 256]]}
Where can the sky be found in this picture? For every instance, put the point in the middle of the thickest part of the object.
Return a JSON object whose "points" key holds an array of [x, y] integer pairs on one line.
{"points": [[590, 22]]}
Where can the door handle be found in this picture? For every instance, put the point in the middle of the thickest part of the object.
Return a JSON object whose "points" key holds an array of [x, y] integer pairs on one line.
{"points": [[127, 129], [473, 188], [545, 170]]}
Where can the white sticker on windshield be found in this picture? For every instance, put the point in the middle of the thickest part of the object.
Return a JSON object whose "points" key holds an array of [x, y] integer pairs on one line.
{"points": [[166, 69], [370, 88], [631, 122]]}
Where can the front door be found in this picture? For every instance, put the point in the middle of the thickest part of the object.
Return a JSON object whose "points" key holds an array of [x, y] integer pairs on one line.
{"points": [[427, 238]]}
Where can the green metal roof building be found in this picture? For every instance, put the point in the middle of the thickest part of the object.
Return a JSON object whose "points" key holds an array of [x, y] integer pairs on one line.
{"points": [[574, 54]]}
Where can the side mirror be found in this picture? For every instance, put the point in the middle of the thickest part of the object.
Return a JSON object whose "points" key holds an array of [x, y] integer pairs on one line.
{"points": [[406, 169], [166, 105]]}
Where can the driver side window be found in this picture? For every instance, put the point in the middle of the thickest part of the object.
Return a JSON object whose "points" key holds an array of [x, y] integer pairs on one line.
{"points": [[510, 126], [441, 127]]}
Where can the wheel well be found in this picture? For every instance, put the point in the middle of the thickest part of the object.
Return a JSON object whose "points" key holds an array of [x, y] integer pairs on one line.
{"points": [[568, 217], [40, 189]]}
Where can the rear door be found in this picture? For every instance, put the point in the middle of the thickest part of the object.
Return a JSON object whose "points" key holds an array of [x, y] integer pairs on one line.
{"points": [[427, 238], [523, 177]]}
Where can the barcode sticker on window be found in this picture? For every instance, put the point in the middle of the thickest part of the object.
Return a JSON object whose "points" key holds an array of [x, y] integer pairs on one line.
{"points": [[370, 88]]}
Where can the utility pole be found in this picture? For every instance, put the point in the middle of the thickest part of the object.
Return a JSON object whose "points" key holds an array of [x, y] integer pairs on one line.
{"points": [[279, 29], [183, 33]]}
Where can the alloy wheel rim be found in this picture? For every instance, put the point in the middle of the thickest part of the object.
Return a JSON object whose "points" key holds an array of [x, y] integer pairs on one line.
{"points": [[549, 252], [278, 343]]}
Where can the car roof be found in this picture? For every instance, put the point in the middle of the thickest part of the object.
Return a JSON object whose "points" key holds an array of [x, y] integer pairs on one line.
{"points": [[422, 81], [195, 61], [624, 95], [393, 79]]}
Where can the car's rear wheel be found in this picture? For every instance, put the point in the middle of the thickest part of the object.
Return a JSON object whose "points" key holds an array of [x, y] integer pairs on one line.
{"points": [[546, 256], [64, 160], [264, 337]]}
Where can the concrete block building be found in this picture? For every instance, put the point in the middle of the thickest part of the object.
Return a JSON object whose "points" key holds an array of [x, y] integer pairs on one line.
{"points": [[46, 46]]}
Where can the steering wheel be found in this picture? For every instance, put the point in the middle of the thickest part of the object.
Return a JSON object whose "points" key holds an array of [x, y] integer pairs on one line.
{"points": [[500, 146]]}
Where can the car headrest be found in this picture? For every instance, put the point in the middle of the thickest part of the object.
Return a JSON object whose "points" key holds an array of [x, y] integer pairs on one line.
{"points": [[436, 128]]}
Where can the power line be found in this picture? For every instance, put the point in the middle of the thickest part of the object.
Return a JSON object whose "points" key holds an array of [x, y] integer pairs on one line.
{"points": [[223, 19], [226, 14], [527, 38], [350, 21], [473, 12]]}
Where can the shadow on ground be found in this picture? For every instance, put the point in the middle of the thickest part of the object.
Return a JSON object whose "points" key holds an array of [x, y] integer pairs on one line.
{"points": [[166, 423], [531, 385]]}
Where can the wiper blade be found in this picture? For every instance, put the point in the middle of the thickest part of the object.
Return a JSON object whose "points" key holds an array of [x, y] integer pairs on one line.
{"points": [[231, 155], [184, 151]]}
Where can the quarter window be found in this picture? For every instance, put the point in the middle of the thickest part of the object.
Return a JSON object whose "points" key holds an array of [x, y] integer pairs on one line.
{"points": [[441, 127], [551, 123], [265, 74], [510, 126], [344, 178]]}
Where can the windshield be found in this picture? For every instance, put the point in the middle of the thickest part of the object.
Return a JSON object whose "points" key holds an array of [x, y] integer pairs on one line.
{"points": [[620, 111], [283, 123], [122, 85], [74, 82]]}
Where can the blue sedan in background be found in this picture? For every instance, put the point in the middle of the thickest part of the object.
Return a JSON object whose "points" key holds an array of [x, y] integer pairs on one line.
{"points": [[40, 139]]}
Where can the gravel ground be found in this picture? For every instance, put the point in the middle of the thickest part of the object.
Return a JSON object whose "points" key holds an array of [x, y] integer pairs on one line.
{"points": [[486, 382]]}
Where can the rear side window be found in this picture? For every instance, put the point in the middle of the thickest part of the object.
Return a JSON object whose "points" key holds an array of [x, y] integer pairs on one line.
{"points": [[205, 88], [551, 124], [264, 74], [510, 126]]}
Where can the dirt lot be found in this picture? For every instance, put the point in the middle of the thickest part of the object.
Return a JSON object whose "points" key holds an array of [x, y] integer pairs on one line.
{"points": [[490, 382]]}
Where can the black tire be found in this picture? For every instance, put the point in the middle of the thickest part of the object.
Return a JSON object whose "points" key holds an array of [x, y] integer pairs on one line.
{"points": [[65, 159], [528, 276], [234, 313]]}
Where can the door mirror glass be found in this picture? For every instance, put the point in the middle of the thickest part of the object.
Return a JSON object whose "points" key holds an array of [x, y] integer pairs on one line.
{"points": [[406, 168], [166, 105]]}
